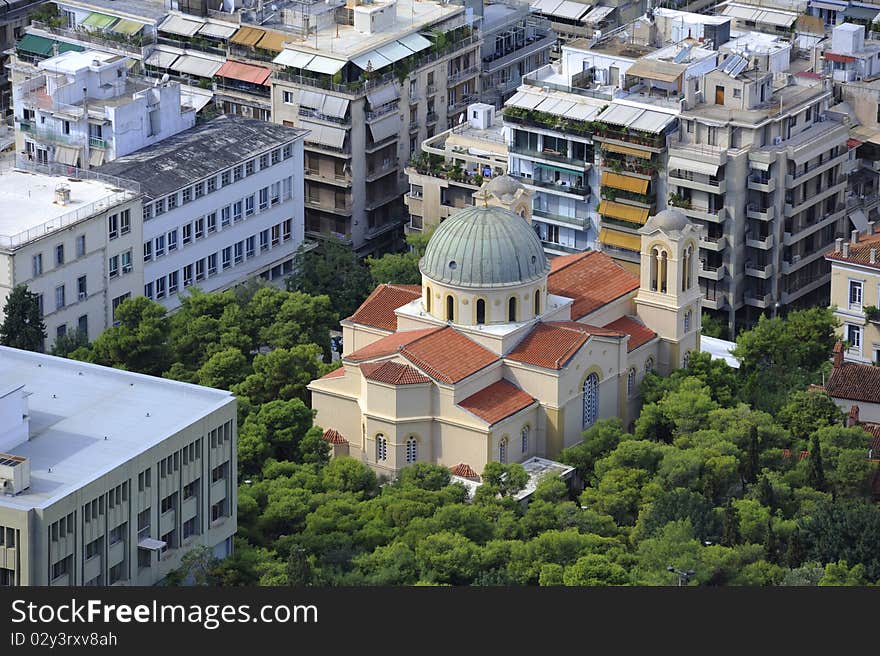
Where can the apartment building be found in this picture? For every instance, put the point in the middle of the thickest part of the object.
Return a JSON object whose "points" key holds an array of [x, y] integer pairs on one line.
{"points": [[56, 241], [370, 91], [855, 294], [14, 18], [453, 165], [109, 477], [760, 162], [573, 19], [514, 43], [82, 109], [770, 18], [222, 202]]}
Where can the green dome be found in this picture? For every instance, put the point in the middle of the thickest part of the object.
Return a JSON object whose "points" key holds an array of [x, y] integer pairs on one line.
{"points": [[484, 247]]}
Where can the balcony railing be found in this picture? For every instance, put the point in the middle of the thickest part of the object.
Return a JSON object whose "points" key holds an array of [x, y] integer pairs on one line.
{"points": [[581, 222], [558, 186], [550, 155], [97, 142], [463, 74], [382, 110], [132, 44], [463, 101], [311, 113]]}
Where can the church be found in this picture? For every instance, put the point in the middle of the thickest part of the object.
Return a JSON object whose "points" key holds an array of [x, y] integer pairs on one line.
{"points": [[501, 354]]}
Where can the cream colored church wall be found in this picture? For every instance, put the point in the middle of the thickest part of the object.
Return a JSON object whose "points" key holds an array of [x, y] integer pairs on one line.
{"points": [[339, 413], [511, 430], [405, 401], [356, 337], [454, 444], [623, 306]]}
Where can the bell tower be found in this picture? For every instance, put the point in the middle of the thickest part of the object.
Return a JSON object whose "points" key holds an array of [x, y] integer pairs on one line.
{"points": [[669, 297]]}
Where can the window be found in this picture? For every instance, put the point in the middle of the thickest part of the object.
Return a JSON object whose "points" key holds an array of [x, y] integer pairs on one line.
{"points": [[80, 245], [225, 177], [81, 291], [631, 382], [200, 228], [212, 184], [160, 245], [226, 258], [168, 503], [212, 222], [276, 193], [276, 235], [59, 254], [502, 450], [148, 250], [264, 198], [237, 173], [118, 301], [225, 216], [61, 331], [200, 270], [249, 205], [649, 365], [38, 265], [287, 151], [687, 320], [854, 337], [287, 229], [237, 211], [411, 450], [239, 252], [172, 202], [148, 290], [450, 308], [287, 96], [511, 309], [148, 211], [481, 311], [187, 233], [855, 294], [59, 297], [200, 189], [113, 226], [212, 264], [172, 240], [524, 438], [126, 261], [537, 302], [276, 155], [264, 240], [160, 287], [250, 244], [172, 282], [381, 448], [249, 168], [590, 400], [186, 195], [264, 161], [159, 207], [187, 275]]}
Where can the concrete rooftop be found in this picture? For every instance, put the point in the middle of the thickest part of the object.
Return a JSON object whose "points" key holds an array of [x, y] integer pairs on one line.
{"points": [[73, 405], [151, 10]]}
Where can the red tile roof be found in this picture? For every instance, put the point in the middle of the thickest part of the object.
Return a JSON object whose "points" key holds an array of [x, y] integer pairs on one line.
{"points": [[378, 309], [446, 355], [465, 471], [860, 252], [855, 382], [497, 401], [392, 373], [334, 437], [336, 373], [389, 345], [551, 345], [591, 278], [841, 59], [638, 332]]}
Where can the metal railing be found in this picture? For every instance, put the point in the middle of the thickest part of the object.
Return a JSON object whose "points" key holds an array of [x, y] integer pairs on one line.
{"points": [[382, 110], [134, 45]]}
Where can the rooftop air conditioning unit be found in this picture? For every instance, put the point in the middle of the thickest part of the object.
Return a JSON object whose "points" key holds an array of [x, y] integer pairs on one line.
{"points": [[15, 474]]}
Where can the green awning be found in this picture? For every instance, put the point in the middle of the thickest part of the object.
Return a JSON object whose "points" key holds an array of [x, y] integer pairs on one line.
{"points": [[40, 45], [98, 21], [126, 26]]}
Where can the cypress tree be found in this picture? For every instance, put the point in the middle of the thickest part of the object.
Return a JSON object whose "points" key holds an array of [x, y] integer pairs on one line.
{"points": [[22, 327], [730, 526], [815, 469]]}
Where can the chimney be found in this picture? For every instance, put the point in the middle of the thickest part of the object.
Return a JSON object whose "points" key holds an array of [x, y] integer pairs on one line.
{"points": [[853, 418], [872, 257], [854, 237], [846, 249], [838, 354], [838, 243]]}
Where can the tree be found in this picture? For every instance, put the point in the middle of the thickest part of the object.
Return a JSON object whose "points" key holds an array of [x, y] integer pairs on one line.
{"points": [[751, 464], [730, 525], [301, 319], [807, 411], [224, 369], [299, 569], [447, 557], [22, 326], [194, 332], [815, 470], [595, 570], [400, 268], [198, 565], [424, 476], [678, 504], [283, 374], [599, 439], [844, 530], [335, 270], [276, 430], [504, 479], [70, 342]]}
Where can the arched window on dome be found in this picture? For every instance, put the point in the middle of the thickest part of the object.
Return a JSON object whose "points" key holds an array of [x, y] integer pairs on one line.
{"points": [[427, 299], [537, 302], [591, 400], [450, 308], [481, 310], [511, 309]]}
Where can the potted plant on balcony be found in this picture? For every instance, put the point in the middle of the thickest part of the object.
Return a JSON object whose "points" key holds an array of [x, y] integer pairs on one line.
{"points": [[872, 313]]}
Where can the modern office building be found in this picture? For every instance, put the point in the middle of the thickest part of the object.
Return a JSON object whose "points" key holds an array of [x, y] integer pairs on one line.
{"points": [[109, 477], [82, 109], [56, 241], [222, 202]]}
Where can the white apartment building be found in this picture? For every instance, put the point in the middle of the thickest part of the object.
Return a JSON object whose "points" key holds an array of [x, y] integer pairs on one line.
{"points": [[54, 238], [82, 109], [109, 477], [222, 202]]}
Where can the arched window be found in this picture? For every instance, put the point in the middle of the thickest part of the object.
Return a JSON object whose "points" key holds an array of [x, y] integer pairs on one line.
{"points": [[687, 321], [502, 450], [481, 311], [655, 258], [591, 400], [662, 274], [525, 438], [381, 447], [537, 302], [411, 450], [686, 359], [511, 309], [631, 382], [649, 365], [428, 299], [450, 308]]}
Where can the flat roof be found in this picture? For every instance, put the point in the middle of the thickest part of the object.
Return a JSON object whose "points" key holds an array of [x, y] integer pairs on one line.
{"points": [[719, 349], [73, 61], [199, 152], [73, 405], [537, 468], [36, 212], [151, 10]]}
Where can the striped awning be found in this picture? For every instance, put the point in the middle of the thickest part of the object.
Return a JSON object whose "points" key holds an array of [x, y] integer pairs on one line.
{"points": [[247, 36], [620, 240], [688, 164], [40, 45], [626, 150], [198, 66], [67, 155], [127, 27], [273, 41], [98, 21], [625, 182], [180, 25], [293, 58], [623, 212]]}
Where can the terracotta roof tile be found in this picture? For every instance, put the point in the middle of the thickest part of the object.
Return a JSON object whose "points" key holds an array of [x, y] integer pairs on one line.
{"points": [[446, 355], [551, 345], [334, 437], [336, 373], [859, 253], [392, 373], [389, 345], [855, 382], [591, 278], [497, 401], [465, 471], [638, 332], [378, 309]]}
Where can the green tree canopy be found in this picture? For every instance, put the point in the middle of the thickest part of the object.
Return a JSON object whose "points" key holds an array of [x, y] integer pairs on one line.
{"points": [[22, 326]]}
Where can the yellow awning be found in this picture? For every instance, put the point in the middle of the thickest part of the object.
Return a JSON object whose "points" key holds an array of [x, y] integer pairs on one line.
{"points": [[247, 36], [626, 150], [611, 237], [623, 212], [618, 181], [273, 41]]}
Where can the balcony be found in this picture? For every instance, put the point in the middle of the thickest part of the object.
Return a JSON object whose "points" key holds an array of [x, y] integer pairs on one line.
{"points": [[554, 186], [378, 145], [578, 165], [763, 243], [382, 228], [464, 101], [653, 142], [97, 142], [316, 176], [383, 169], [757, 183], [559, 248], [343, 209], [712, 272], [719, 302], [536, 44], [759, 271], [760, 213], [713, 243], [791, 210], [318, 116], [579, 222], [382, 110], [431, 118], [701, 152], [464, 74], [762, 301], [710, 185], [706, 214], [430, 90], [382, 197]]}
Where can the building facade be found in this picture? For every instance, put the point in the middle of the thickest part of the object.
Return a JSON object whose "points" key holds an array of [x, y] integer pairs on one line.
{"points": [[117, 501]]}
